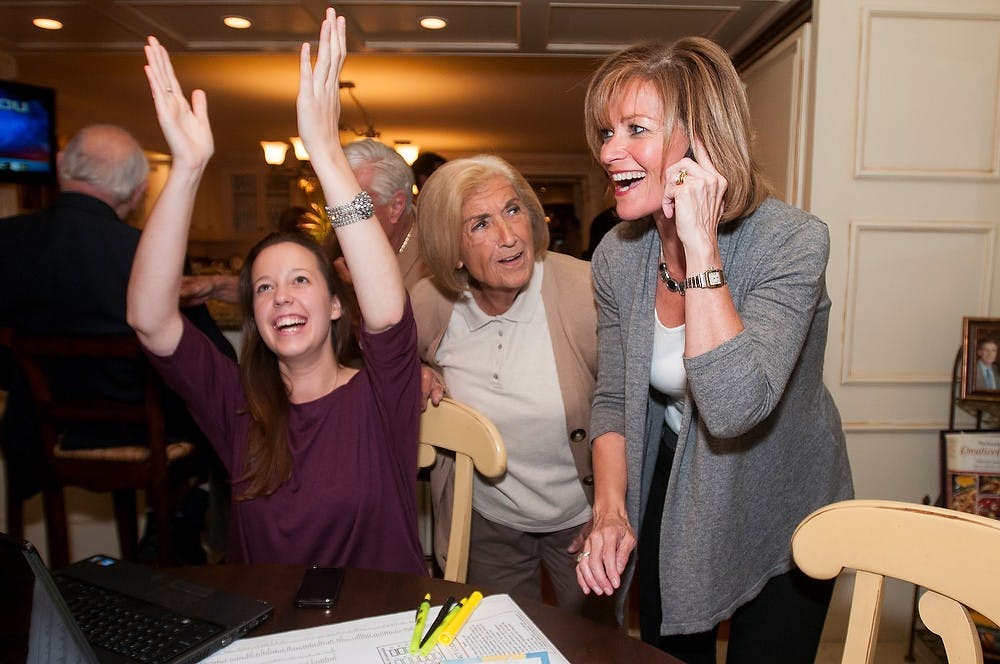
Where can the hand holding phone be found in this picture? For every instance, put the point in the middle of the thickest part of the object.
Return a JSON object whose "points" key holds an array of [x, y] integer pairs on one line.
{"points": [[319, 588]]}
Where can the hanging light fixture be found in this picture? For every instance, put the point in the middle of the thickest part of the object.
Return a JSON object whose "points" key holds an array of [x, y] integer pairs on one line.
{"points": [[369, 130], [408, 151], [274, 152]]}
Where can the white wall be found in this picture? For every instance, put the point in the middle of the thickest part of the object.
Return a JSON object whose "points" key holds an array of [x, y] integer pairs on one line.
{"points": [[904, 167]]}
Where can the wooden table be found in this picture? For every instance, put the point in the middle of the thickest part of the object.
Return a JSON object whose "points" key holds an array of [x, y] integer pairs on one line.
{"points": [[368, 593]]}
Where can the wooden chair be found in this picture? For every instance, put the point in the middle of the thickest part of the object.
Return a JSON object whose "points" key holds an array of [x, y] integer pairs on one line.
{"points": [[951, 554], [120, 470], [478, 447]]}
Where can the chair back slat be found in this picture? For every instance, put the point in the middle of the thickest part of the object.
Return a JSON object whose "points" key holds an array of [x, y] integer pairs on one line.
{"points": [[478, 446], [942, 550]]}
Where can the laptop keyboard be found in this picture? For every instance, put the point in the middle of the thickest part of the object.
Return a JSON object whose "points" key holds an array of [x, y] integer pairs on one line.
{"points": [[129, 626]]}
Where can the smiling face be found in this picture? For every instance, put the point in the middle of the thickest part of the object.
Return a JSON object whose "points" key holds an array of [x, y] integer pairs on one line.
{"points": [[987, 352], [496, 244], [292, 303], [635, 150]]}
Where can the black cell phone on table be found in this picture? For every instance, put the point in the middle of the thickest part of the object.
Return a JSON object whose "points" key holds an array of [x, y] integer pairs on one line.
{"points": [[319, 588]]}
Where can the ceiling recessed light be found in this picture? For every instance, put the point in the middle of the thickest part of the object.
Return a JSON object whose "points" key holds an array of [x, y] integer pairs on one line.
{"points": [[47, 23], [432, 22], [237, 22]]}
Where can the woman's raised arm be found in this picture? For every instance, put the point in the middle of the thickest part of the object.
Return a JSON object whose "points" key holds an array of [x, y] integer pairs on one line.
{"points": [[154, 285], [372, 262]]}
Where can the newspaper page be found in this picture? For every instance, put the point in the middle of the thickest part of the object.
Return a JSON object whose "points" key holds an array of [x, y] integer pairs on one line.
{"points": [[497, 631]]}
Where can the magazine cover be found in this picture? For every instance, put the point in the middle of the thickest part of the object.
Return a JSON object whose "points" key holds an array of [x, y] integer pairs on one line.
{"points": [[971, 483]]}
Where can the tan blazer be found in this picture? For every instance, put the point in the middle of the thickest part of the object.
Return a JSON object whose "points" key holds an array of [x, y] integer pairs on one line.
{"points": [[568, 295]]}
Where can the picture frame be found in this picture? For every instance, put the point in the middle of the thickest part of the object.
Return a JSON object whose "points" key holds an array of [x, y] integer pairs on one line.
{"points": [[980, 376]]}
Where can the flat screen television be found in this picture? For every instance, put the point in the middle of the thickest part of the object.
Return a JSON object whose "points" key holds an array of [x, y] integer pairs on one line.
{"points": [[27, 133]]}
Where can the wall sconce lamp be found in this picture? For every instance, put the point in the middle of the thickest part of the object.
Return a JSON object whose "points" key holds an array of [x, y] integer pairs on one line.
{"points": [[408, 151], [274, 152], [300, 150]]}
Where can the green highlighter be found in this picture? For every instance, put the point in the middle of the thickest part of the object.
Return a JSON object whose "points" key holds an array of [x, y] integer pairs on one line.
{"points": [[431, 639], [418, 627]]}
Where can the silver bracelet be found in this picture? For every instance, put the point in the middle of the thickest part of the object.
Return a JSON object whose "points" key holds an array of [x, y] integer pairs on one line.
{"points": [[359, 209]]}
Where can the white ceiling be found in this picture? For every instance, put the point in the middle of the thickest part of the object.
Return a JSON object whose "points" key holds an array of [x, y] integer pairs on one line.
{"points": [[505, 76]]}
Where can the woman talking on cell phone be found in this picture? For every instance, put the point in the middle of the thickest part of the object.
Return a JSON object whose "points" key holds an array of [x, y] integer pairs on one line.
{"points": [[713, 432], [323, 457]]}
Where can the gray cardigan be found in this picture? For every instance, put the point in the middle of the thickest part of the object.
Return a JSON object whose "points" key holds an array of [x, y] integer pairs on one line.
{"points": [[760, 444]]}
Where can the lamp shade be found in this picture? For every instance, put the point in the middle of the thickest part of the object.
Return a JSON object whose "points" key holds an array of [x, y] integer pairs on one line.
{"points": [[274, 152], [300, 150], [408, 151]]}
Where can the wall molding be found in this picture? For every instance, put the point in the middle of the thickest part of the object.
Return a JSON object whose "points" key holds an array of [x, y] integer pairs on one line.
{"points": [[851, 372], [865, 84]]}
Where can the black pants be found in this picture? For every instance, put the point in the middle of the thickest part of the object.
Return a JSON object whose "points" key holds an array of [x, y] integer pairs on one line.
{"points": [[782, 624]]}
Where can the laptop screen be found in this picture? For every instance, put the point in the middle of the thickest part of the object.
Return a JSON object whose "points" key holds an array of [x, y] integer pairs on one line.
{"points": [[35, 624]]}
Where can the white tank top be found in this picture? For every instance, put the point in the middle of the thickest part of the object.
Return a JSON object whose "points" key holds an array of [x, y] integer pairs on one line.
{"points": [[667, 373]]}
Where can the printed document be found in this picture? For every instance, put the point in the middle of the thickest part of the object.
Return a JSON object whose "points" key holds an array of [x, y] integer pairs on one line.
{"points": [[497, 629]]}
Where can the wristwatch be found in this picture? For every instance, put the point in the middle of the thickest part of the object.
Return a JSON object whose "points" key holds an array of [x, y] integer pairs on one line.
{"points": [[359, 209], [713, 277]]}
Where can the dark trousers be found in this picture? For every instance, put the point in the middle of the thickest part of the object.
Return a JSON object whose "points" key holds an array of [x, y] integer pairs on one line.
{"points": [[782, 624]]}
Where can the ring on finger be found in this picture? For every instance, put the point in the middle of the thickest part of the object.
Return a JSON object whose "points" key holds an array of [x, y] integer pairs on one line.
{"points": [[680, 176], [584, 554]]}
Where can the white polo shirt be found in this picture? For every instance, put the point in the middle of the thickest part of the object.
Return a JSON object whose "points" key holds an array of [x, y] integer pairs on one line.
{"points": [[504, 367]]}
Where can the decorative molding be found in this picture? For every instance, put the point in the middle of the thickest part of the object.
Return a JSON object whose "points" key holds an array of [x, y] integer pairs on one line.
{"points": [[853, 374], [931, 426], [937, 118], [797, 14], [796, 49]]}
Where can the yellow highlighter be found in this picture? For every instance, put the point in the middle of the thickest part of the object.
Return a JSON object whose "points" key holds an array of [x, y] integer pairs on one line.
{"points": [[450, 630], [432, 637]]}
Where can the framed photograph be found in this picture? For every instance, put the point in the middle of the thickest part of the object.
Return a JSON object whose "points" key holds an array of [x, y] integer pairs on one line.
{"points": [[980, 353]]}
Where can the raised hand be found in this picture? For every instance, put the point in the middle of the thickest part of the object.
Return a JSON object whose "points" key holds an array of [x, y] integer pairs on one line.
{"points": [[318, 103], [693, 197], [185, 126]]}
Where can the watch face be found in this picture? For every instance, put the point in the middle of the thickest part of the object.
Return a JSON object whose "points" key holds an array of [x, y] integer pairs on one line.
{"points": [[714, 278]]}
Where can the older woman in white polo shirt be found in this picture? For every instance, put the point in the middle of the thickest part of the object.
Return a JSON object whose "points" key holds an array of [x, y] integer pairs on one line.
{"points": [[510, 330]]}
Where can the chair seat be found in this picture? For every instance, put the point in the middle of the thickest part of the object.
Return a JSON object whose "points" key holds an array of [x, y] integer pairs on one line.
{"points": [[126, 454]]}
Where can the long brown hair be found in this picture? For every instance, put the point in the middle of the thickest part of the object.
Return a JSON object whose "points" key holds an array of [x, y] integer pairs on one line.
{"points": [[268, 462], [700, 89]]}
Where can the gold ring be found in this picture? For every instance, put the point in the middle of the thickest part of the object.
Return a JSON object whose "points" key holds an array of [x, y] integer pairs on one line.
{"points": [[680, 176], [583, 555]]}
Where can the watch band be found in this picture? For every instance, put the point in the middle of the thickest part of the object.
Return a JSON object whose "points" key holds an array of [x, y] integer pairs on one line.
{"points": [[359, 209], [713, 277]]}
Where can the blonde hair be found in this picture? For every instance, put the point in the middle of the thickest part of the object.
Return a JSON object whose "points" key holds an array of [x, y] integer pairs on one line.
{"points": [[439, 214], [699, 88]]}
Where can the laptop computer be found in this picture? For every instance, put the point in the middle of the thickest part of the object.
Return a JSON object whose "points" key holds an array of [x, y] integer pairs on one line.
{"points": [[106, 610]]}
